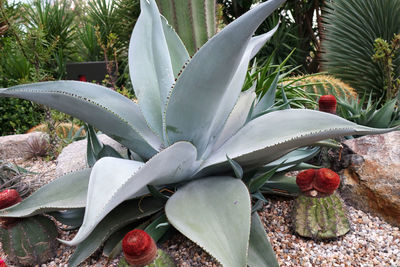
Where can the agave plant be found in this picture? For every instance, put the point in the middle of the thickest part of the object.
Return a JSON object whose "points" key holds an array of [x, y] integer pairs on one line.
{"points": [[191, 122]]}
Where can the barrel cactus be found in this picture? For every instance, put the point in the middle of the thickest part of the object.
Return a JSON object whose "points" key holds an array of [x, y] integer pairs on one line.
{"points": [[26, 241], [318, 212], [191, 122], [323, 85]]}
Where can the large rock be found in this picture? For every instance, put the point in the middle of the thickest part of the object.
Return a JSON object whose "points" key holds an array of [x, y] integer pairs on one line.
{"points": [[73, 156], [15, 146], [372, 181]]}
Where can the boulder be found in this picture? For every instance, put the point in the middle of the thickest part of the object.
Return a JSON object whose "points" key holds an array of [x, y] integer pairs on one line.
{"points": [[73, 156], [15, 146], [372, 180]]}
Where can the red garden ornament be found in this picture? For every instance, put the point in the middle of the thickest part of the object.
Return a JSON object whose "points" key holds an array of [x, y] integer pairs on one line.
{"points": [[327, 103], [321, 182], [139, 248]]}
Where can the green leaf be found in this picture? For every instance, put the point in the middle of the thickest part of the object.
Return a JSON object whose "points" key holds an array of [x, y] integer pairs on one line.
{"points": [[72, 217], [126, 213], [383, 116], [273, 135], [150, 64], [236, 168], [158, 227], [260, 250], [67, 192], [280, 184], [101, 107], [209, 83], [268, 99], [258, 181], [113, 181], [214, 213]]}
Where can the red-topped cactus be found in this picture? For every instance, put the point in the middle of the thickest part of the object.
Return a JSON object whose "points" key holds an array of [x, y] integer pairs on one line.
{"points": [[327, 103], [319, 212], [139, 248], [8, 198]]}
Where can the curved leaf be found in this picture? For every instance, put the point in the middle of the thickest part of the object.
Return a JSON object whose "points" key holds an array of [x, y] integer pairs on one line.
{"points": [[214, 212], [125, 213], [273, 135], [150, 64], [113, 181], [101, 107], [67, 192], [206, 83], [260, 250]]}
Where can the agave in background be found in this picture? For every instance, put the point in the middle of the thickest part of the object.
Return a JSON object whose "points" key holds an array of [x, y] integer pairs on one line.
{"points": [[191, 123]]}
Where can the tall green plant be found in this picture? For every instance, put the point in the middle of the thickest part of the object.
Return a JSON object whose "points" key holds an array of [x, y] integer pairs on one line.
{"points": [[194, 21], [352, 26], [189, 128]]}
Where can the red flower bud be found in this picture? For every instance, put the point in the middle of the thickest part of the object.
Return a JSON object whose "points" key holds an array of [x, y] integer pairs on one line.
{"points": [[139, 248], [319, 183], [8, 198], [326, 181], [305, 180], [327, 103]]}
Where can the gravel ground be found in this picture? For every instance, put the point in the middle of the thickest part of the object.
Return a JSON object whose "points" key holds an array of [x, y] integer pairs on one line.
{"points": [[371, 242]]}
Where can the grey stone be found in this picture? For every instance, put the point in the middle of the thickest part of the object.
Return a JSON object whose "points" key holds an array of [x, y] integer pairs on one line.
{"points": [[372, 181], [15, 146], [73, 156]]}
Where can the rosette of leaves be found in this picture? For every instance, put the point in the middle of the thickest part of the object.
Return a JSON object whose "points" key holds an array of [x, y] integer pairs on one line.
{"points": [[191, 117]]}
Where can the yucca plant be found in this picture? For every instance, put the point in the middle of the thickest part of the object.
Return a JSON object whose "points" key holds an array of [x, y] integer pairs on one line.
{"points": [[191, 125], [351, 29]]}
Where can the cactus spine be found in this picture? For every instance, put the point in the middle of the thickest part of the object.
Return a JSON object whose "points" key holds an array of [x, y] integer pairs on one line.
{"points": [[194, 20], [320, 218], [30, 241]]}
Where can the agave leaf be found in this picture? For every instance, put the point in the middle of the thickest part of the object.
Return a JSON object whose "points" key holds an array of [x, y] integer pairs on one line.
{"points": [[260, 250], [177, 50], [237, 169], [108, 111], [273, 135], [214, 212], [205, 82], [66, 192], [129, 179], [72, 217], [268, 99], [280, 184], [237, 118], [126, 213], [383, 116], [150, 64]]}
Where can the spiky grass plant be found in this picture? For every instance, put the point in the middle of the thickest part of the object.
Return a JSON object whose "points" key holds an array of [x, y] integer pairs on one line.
{"points": [[351, 29], [190, 126]]}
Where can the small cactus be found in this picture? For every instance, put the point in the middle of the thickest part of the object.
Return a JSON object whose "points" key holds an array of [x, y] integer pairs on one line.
{"points": [[27, 241], [319, 212], [140, 250], [327, 103]]}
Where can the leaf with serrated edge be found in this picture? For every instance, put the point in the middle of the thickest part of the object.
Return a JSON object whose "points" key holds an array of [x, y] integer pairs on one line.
{"points": [[272, 135], [110, 112], [150, 64], [67, 192], [205, 82], [214, 212], [126, 213], [260, 250], [129, 179]]}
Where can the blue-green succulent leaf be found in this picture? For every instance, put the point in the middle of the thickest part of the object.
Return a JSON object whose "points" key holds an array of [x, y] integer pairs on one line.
{"points": [[275, 134], [261, 253], [214, 212], [268, 99], [237, 118], [150, 64], [177, 50], [126, 213], [282, 185], [206, 85], [236, 168], [103, 108], [113, 181], [67, 192]]}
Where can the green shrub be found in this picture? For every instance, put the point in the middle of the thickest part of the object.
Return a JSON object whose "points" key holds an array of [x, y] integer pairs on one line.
{"points": [[18, 116]]}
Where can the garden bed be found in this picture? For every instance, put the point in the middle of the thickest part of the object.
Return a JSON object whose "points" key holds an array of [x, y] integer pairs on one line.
{"points": [[371, 242]]}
